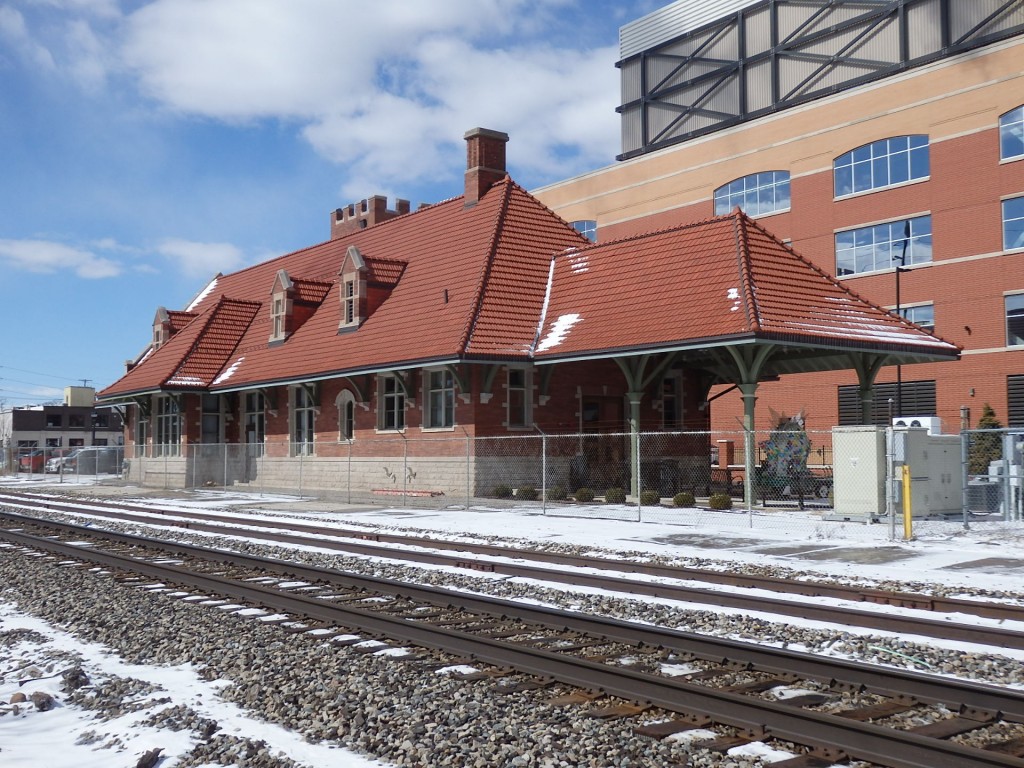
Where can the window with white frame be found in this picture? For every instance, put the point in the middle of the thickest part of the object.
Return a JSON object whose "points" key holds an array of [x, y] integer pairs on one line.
{"points": [[1014, 319], [1011, 134], [349, 299], [756, 194], [881, 164], [920, 314], [1013, 223], [303, 420], [346, 416], [390, 403], [440, 399], [167, 440], [519, 398], [278, 308], [884, 246], [254, 423], [587, 228]]}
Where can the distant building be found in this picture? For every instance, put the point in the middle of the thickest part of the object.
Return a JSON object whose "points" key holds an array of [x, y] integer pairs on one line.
{"points": [[869, 137], [75, 423]]}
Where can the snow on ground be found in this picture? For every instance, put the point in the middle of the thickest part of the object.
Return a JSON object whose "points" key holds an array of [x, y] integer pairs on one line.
{"points": [[983, 557]]}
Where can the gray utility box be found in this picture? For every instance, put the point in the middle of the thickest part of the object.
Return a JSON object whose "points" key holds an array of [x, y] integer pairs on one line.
{"points": [[936, 474], [858, 472], [860, 461]]}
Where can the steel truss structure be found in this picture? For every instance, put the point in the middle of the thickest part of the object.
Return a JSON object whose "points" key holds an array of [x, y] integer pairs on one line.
{"points": [[777, 54]]}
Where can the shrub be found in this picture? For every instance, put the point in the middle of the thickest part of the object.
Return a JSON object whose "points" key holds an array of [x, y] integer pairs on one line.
{"points": [[684, 499], [557, 493], [720, 501], [527, 493], [650, 498], [502, 491], [615, 495], [584, 495]]}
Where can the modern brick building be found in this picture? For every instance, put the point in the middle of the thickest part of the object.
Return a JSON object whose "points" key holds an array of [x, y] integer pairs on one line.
{"points": [[870, 137]]}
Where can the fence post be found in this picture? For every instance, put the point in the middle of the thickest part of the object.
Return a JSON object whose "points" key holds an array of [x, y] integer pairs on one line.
{"points": [[302, 457], [348, 479], [405, 470], [965, 479], [908, 516], [263, 461], [469, 481], [543, 474], [639, 480]]}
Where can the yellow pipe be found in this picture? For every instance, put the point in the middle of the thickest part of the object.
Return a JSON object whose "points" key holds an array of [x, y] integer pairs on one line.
{"points": [[908, 517]]}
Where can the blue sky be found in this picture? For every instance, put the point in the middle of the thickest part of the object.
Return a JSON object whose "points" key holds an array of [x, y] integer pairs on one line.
{"points": [[145, 146]]}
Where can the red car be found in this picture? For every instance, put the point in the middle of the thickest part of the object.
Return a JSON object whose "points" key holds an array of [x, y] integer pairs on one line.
{"points": [[32, 460]]}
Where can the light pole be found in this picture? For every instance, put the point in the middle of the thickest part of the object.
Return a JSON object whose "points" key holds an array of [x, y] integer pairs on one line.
{"points": [[901, 267]]}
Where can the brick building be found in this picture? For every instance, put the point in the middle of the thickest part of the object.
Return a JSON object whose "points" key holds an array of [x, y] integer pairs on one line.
{"points": [[867, 136], [433, 342]]}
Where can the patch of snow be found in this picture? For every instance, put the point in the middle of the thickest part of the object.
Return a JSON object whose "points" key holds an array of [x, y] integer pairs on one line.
{"points": [[201, 295], [229, 371], [559, 331]]}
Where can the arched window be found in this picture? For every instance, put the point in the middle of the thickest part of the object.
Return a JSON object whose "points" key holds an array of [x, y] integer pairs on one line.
{"points": [[881, 164], [1011, 134], [756, 194], [346, 403]]}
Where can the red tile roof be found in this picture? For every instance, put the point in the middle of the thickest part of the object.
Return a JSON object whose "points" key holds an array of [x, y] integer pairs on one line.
{"points": [[310, 291], [725, 278], [479, 282]]}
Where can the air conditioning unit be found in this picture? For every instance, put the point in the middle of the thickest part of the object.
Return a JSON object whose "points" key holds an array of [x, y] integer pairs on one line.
{"points": [[932, 423]]}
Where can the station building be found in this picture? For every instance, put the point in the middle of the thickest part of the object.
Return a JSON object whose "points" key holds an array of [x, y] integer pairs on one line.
{"points": [[883, 141]]}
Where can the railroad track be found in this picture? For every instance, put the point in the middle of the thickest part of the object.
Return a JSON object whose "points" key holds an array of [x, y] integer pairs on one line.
{"points": [[579, 571], [726, 686]]}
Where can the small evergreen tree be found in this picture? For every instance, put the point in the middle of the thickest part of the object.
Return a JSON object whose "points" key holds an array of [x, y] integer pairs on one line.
{"points": [[985, 448]]}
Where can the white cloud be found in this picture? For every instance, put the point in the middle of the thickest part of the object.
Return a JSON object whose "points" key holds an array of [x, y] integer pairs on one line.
{"points": [[201, 259], [47, 257], [15, 31]]}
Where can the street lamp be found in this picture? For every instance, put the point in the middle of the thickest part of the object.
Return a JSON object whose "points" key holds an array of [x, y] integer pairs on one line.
{"points": [[900, 268]]}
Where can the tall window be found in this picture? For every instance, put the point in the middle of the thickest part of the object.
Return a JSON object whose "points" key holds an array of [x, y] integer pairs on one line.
{"points": [[881, 246], [587, 228], [440, 399], [303, 417], [167, 440], [1011, 134], [671, 405], [1013, 223], [922, 314], [346, 416], [391, 403], [141, 432], [1015, 319], [519, 399], [756, 194], [349, 301], [881, 164], [211, 418], [277, 317], [254, 423]]}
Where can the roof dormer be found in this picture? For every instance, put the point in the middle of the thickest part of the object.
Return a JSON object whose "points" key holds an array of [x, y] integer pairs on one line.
{"points": [[365, 284], [282, 295], [292, 302], [166, 323]]}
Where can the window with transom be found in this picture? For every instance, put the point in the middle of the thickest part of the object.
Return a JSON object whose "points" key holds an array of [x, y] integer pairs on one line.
{"points": [[881, 164]]}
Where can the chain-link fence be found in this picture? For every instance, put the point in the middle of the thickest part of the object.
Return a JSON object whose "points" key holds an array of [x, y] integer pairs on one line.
{"points": [[74, 465], [794, 479]]}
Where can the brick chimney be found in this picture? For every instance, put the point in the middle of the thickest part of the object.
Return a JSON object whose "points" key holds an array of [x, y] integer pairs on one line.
{"points": [[485, 162], [364, 214]]}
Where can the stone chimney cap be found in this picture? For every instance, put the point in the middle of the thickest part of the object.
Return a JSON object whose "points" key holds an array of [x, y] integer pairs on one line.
{"points": [[486, 133]]}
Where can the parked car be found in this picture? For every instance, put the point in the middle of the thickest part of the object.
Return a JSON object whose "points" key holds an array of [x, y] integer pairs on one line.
{"points": [[62, 460], [31, 460], [96, 460]]}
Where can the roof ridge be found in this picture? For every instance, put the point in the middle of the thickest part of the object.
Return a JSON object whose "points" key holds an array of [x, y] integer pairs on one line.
{"points": [[753, 307], [588, 245], [836, 282], [499, 222]]}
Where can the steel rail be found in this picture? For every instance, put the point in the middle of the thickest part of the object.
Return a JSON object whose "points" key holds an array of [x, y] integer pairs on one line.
{"points": [[863, 741], [888, 622], [887, 681], [991, 610]]}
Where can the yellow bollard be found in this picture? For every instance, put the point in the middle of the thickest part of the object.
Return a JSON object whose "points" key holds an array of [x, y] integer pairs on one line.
{"points": [[908, 517]]}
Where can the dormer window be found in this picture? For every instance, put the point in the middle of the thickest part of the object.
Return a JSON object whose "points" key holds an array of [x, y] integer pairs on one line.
{"points": [[161, 328], [280, 306], [350, 297], [353, 290]]}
